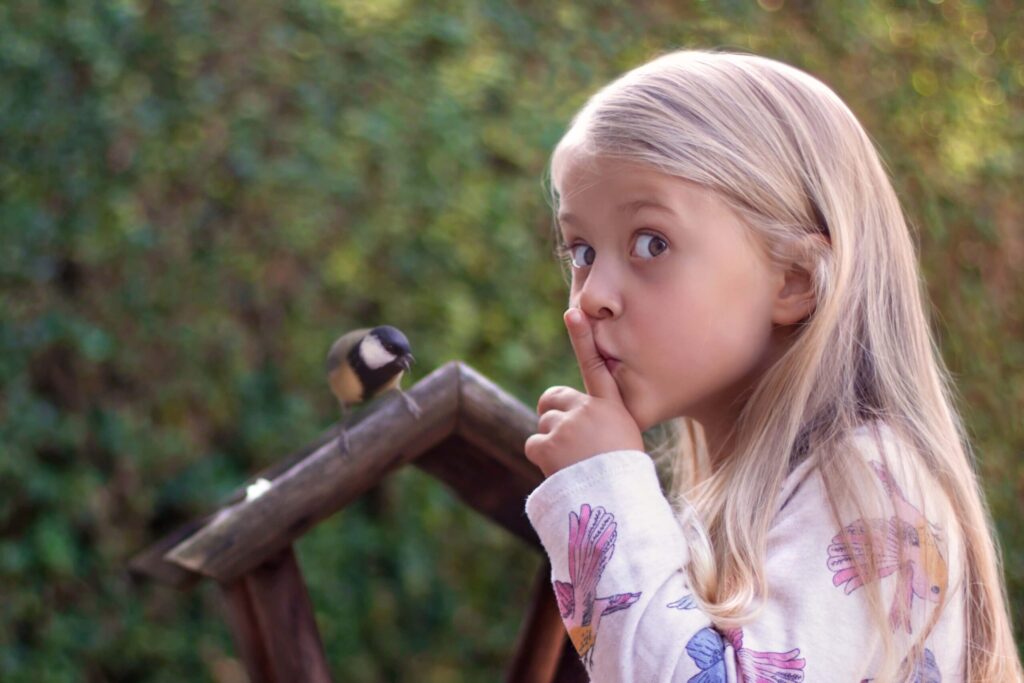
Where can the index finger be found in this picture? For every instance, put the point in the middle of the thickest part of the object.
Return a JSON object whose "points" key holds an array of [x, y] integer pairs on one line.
{"points": [[596, 377]]}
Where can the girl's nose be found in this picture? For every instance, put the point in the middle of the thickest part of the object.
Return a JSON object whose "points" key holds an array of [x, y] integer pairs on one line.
{"points": [[599, 296]]}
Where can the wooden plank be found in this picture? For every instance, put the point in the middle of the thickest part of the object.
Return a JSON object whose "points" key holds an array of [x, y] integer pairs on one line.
{"points": [[284, 615], [241, 536], [497, 423], [484, 484], [541, 636], [150, 563], [245, 630], [570, 668]]}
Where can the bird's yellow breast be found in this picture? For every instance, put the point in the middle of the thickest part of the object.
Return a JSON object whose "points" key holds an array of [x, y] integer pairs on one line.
{"points": [[345, 385]]}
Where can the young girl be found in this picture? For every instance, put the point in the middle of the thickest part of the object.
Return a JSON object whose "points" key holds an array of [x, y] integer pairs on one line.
{"points": [[740, 263]]}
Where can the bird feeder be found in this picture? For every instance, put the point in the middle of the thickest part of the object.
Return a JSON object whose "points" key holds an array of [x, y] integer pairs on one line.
{"points": [[470, 436]]}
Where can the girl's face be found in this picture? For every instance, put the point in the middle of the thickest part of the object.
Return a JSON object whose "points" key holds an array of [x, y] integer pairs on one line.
{"points": [[673, 287]]}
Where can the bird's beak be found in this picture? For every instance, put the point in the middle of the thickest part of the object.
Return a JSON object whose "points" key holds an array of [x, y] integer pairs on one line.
{"points": [[406, 360]]}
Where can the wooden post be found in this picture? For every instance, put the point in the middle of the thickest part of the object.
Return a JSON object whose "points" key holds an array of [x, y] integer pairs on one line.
{"points": [[246, 631], [272, 619], [570, 668], [541, 637]]}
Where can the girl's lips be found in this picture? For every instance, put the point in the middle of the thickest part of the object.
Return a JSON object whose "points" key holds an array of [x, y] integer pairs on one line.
{"points": [[610, 361]]}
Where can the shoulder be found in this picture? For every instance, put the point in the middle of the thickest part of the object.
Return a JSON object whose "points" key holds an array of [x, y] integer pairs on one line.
{"points": [[893, 465], [865, 533], [876, 461], [871, 505], [873, 494]]}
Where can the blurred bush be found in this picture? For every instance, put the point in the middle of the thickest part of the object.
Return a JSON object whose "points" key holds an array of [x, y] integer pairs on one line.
{"points": [[196, 198]]}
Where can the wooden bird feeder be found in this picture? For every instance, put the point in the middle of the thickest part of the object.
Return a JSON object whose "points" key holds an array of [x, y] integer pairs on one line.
{"points": [[470, 436]]}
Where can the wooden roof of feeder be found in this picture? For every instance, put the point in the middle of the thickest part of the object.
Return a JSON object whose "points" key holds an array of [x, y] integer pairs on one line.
{"points": [[470, 435]]}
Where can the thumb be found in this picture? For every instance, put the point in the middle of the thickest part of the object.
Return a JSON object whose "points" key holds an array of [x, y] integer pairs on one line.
{"points": [[596, 377]]}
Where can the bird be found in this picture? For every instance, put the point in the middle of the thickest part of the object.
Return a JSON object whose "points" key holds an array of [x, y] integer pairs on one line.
{"points": [[592, 536], [362, 364], [920, 568]]}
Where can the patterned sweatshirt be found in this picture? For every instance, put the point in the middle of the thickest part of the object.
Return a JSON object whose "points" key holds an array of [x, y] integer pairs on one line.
{"points": [[617, 552]]}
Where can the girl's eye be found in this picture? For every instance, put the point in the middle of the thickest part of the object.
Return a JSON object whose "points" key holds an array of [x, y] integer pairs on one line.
{"points": [[580, 255], [651, 244]]}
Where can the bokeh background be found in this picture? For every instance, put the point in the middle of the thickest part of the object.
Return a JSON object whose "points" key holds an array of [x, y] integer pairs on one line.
{"points": [[197, 197]]}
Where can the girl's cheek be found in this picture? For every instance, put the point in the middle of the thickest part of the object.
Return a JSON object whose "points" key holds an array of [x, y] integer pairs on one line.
{"points": [[640, 412]]}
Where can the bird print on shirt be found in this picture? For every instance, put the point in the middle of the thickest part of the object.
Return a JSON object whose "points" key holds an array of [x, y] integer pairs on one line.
{"points": [[591, 543], [707, 650], [765, 667], [685, 602], [922, 571]]}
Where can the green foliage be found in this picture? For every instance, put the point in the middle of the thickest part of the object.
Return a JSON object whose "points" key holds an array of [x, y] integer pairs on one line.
{"points": [[196, 198]]}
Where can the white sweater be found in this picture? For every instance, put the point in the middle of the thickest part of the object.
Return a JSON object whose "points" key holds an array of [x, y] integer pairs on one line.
{"points": [[617, 552]]}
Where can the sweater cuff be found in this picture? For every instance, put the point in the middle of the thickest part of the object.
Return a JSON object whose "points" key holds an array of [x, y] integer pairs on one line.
{"points": [[610, 466], [625, 483]]}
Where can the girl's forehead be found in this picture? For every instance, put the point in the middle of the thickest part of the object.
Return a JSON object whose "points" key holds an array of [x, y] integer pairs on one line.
{"points": [[611, 174], [575, 167], [630, 183]]}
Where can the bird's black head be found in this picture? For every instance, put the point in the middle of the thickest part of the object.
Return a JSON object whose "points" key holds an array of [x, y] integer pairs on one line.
{"points": [[379, 358], [394, 342]]}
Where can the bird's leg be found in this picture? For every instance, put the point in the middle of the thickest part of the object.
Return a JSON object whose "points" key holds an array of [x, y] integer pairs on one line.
{"points": [[342, 432], [342, 440], [410, 404]]}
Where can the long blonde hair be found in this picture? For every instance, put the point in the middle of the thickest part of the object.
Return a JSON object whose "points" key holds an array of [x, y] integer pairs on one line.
{"points": [[792, 160]]}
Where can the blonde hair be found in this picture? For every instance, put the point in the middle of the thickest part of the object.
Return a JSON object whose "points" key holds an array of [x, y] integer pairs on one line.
{"points": [[794, 163]]}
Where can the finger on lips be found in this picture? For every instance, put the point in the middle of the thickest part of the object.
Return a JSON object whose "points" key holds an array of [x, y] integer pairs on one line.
{"points": [[596, 377]]}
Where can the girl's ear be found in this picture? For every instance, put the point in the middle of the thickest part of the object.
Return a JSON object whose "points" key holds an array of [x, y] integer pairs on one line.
{"points": [[795, 293], [795, 298]]}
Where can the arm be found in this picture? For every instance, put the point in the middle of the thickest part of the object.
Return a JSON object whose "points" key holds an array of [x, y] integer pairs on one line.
{"points": [[616, 556]]}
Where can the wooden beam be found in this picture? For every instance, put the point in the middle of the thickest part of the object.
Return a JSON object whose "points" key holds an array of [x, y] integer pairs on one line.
{"points": [[497, 423], [570, 668], [541, 636], [150, 563], [287, 627], [241, 536], [246, 631], [484, 484]]}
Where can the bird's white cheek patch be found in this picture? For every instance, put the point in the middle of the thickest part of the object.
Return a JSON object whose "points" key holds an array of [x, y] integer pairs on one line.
{"points": [[373, 353]]}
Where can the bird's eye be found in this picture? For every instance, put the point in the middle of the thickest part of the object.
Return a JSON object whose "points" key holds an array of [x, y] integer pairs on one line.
{"points": [[581, 255], [651, 245]]}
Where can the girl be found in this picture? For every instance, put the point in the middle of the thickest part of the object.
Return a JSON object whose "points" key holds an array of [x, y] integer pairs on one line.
{"points": [[740, 263]]}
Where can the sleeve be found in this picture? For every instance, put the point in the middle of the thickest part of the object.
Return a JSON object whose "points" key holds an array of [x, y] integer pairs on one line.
{"points": [[617, 556]]}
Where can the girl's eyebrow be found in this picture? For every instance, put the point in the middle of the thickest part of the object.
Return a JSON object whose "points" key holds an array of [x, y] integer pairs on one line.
{"points": [[629, 208]]}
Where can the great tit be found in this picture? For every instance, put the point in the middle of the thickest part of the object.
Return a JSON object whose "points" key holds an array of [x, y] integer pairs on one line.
{"points": [[365, 363]]}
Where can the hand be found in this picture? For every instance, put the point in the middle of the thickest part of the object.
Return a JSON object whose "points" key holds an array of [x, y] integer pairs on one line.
{"points": [[574, 426]]}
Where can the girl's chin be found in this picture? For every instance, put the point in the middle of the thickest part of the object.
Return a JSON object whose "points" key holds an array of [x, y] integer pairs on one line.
{"points": [[649, 421], [644, 422], [647, 416]]}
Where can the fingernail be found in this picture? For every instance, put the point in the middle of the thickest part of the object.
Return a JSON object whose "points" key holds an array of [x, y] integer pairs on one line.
{"points": [[573, 316]]}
